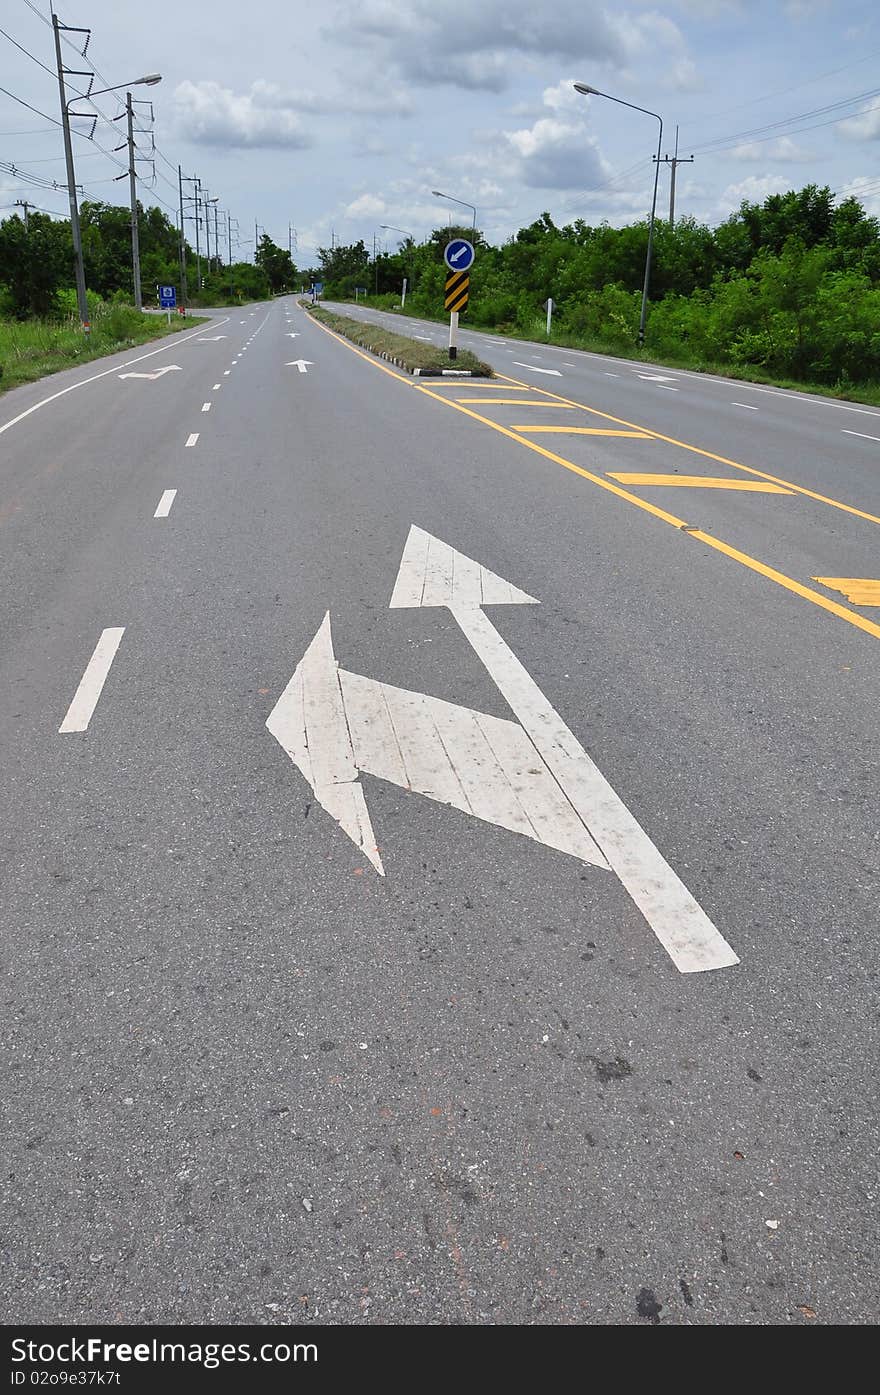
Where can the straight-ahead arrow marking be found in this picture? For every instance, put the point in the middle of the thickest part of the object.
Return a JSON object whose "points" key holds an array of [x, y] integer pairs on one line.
{"points": [[169, 368], [300, 363], [553, 372], [680, 924], [292, 334]]}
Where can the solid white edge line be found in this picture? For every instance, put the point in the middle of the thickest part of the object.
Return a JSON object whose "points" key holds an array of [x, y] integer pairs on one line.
{"points": [[85, 699], [163, 508], [84, 382], [192, 438], [864, 435]]}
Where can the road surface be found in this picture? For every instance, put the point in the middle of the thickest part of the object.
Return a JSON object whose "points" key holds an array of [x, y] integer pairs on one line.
{"points": [[523, 968]]}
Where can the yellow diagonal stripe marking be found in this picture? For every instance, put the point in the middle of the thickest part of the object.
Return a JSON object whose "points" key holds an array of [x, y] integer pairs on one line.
{"points": [[700, 482], [788, 583], [518, 402], [859, 590], [581, 431]]}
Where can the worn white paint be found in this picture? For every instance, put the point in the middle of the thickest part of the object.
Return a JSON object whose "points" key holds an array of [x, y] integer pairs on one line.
{"points": [[163, 508], [85, 699], [192, 438]]}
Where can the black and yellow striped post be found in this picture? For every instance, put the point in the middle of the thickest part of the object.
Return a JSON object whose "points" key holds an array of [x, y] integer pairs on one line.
{"points": [[455, 298]]}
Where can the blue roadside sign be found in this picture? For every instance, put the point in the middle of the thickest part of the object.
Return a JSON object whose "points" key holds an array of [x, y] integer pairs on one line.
{"points": [[167, 297], [459, 254]]}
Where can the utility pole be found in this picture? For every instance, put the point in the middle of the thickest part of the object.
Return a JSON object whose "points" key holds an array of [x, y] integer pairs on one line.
{"points": [[198, 188], [229, 235], [183, 286], [81, 299], [132, 188], [256, 240], [23, 203], [216, 243], [674, 161]]}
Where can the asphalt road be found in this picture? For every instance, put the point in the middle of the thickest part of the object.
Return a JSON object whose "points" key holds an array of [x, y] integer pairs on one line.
{"points": [[247, 1078]]}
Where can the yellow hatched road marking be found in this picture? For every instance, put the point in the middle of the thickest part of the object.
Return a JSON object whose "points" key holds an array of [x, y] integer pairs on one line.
{"points": [[580, 430], [700, 482], [709, 455], [859, 590], [852, 617], [518, 402]]}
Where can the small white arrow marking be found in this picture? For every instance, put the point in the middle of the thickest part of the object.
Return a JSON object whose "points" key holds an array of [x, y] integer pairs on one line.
{"points": [[554, 372], [530, 776], [169, 368], [300, 363], [292, 334], [654, 378], [211, 338]]}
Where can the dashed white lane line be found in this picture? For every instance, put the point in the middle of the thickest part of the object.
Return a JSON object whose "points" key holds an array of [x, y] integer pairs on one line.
{"points": [[192, 438], [748, 406], [215, 387], [163, 508], [864, 435], [666, 387], [85, 699], [206, 406], [611, 375], [225, 374]]}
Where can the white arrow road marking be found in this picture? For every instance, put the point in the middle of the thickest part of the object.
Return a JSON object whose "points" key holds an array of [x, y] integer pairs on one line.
{"points": [[654, 378], [169, 368], [680, 924], [553, 372], [85, 699], [530, 776], [212, 338], [292, 334], [300, 363]]}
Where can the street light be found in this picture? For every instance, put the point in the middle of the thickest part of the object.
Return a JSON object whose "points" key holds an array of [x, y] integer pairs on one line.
{"points": [[594, 92], [437, 195], [390, 227], [149, 81]]}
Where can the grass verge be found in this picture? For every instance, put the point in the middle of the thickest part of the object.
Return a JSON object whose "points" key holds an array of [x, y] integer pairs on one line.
{"points": [[866, 393], [32, 349], [406, 353]]}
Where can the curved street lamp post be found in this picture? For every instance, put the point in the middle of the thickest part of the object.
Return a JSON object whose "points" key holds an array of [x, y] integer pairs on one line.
{"points": [[594, 92]]}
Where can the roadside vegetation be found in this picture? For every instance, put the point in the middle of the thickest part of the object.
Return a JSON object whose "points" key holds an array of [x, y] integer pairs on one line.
{"points": [[786, 291], [40, 330], [406, 353]]}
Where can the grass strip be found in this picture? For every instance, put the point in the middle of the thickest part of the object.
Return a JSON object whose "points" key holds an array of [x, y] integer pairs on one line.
{"points": [[405, 353], [32, 349]]}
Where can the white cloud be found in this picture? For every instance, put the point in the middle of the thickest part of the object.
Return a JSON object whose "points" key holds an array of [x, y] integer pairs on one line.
{"points": [[865, 188], [366, 206], [784, 148], [754, 189], [480, 47], [864, 126], [209, 114]]}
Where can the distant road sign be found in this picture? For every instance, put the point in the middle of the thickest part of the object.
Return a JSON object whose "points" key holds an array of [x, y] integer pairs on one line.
{"points": [[167, 297], [458, 284], [459, 254]]}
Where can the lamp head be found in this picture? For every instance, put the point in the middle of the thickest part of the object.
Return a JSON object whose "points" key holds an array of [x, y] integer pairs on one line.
{"points": [[149, 81], [585, 90]]}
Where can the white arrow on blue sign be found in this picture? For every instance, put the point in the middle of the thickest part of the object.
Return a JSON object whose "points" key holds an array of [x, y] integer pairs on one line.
{"points": [[459, 254]]}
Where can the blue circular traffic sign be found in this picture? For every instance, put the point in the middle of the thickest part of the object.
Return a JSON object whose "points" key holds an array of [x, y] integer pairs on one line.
{"points": [[459, 254]]}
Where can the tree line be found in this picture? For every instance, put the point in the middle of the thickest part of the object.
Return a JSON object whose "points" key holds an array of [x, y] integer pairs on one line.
{"points": [[790, 285], [37, 263]]}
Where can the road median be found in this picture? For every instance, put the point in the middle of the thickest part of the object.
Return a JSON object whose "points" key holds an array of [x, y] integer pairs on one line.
{"points": [[422, 360]]}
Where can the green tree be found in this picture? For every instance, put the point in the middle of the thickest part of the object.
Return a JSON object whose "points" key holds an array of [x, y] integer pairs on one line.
{"points": [[36, 262]]}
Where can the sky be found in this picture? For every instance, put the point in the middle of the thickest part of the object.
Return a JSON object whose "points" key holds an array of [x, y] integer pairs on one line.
{"points": [[326, 121]]}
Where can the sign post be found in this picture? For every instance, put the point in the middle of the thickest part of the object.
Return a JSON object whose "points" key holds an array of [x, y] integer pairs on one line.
{"points": [[549, 307], [168, 299], [459, 258], [403, 297]]}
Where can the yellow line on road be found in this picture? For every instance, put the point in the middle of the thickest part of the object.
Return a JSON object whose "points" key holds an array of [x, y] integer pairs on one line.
{"points": [[518, 402], [708, 455], [699, 482], [581, 430], [788, 583], [860, 590]]}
